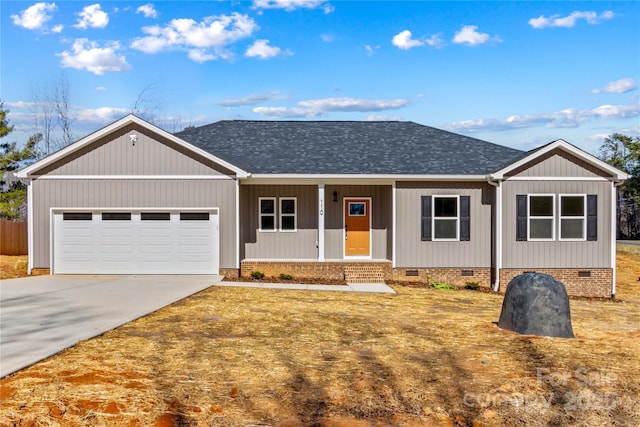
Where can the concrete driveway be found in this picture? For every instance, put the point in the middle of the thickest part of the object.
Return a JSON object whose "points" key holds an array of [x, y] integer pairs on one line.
{"points": [[41, 316]]}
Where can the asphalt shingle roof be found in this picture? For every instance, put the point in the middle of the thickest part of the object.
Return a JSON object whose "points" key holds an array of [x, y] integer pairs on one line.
{"points": [[330, 147]]}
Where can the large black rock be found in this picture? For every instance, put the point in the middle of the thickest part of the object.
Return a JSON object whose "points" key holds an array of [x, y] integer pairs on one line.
{"points": [[536, 304]]}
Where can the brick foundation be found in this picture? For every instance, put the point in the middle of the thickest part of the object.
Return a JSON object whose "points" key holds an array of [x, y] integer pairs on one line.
{"points": [[229, 273], [333, 270], [452, 276], [583, 282], [40, 271]]}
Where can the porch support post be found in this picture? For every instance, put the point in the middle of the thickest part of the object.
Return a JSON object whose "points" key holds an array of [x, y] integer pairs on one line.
{"points": [[321, 212], [614, 235], [394, 225]]}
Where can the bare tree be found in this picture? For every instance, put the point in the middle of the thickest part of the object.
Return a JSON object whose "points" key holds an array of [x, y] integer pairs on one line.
{"points": [[62, 105], [51, 110]]}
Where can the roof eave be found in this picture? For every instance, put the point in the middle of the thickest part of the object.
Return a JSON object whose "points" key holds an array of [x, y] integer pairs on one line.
{"points": [[616, 173], [26, 172]]}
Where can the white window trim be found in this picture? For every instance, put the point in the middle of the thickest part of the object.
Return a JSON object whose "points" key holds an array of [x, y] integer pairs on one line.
{"points": [[433, 217], [274, 214], [583, 217], [294, 215], [552, 217]]}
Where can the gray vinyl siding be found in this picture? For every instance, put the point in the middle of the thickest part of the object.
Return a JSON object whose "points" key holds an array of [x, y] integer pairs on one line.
{"points": [[381, 220], [411, 251], [115, 154], [556, 254], [558, 163], [123, 193], [302, 244]]}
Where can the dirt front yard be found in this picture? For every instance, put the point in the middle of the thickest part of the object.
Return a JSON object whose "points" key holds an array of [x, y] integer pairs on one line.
{"points": [[252, 357]]}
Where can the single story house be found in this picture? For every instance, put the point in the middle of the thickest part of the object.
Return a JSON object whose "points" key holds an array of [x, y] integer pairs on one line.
{"points": [[361, 200]]}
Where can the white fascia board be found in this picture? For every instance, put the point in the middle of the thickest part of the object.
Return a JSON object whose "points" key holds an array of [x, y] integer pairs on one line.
{"points": [[132, 177], [571, 149], [118, 124], [353, 178]]}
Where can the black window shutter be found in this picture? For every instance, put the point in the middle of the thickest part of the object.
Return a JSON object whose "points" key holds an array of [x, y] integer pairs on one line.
{"points": [[592, 217], [426, 218], [465, 218], [521, 217]]}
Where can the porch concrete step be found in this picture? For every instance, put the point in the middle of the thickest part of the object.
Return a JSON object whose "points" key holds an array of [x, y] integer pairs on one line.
{"points": [[363, 274]]}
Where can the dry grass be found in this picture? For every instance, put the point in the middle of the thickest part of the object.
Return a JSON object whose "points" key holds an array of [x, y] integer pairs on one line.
{"points": [[243, 357], [13, 266]]}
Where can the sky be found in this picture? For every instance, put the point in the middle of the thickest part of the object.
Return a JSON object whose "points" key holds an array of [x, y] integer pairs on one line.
{"points": [[516, 73]]}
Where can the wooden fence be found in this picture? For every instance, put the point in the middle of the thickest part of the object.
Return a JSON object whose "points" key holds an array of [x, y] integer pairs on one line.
{"points": [[13, 237]]}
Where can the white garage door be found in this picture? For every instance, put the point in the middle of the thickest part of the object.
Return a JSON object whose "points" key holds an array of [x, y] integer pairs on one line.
{"points": [[135, 242]]}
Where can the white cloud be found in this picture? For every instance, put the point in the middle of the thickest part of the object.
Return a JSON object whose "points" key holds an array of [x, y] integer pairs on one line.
{"points": [[352, 104], [469, 35], [570, 21], [57, 28], [327, 38], [285, 112], [204, 41], [404, 40], [92, 17], [101, 88], [371, 49], [382, 118], [147, 10], [261, 49], [35, 16], [101, 115], [252, 99], [316, 107], [619, 86], [290, 5], [89, 56], [435, 40], [567, 118]]}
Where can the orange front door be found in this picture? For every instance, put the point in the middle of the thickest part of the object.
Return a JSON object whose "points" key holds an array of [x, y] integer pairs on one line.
{"points": [[357, 228]]}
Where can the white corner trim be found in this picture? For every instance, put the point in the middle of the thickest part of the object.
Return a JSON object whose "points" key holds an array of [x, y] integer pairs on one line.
{"points": [[132, 177], [394, 224], [565, 146], [613, 230], [118, 124], [498, 237], [237, 230], [30, 208]]}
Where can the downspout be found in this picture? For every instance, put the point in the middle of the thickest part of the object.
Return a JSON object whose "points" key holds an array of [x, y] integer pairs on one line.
{"points": [[498, 230], [614, 224]]}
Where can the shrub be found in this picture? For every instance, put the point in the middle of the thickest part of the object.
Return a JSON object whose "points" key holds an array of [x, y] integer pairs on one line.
{"points": [[285, 276], [257, 275], [441, 286], [471, 285]]}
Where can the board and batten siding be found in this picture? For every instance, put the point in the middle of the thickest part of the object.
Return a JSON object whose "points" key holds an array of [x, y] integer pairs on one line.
{"points": [[299, 244], [381, 220], [556, 254], [412, 252], [127, 193], [558, 163], [302, 244], [116, 154]]}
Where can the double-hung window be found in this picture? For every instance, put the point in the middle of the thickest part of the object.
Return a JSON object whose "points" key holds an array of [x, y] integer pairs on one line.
{"points": [[287, 214], [284, 211], [573, 217], [267, 213], [445, 217], [570, 217], [541, 218]]}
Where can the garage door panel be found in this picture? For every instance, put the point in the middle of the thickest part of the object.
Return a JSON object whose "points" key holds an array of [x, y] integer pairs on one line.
{"points": [[135, 246]]}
